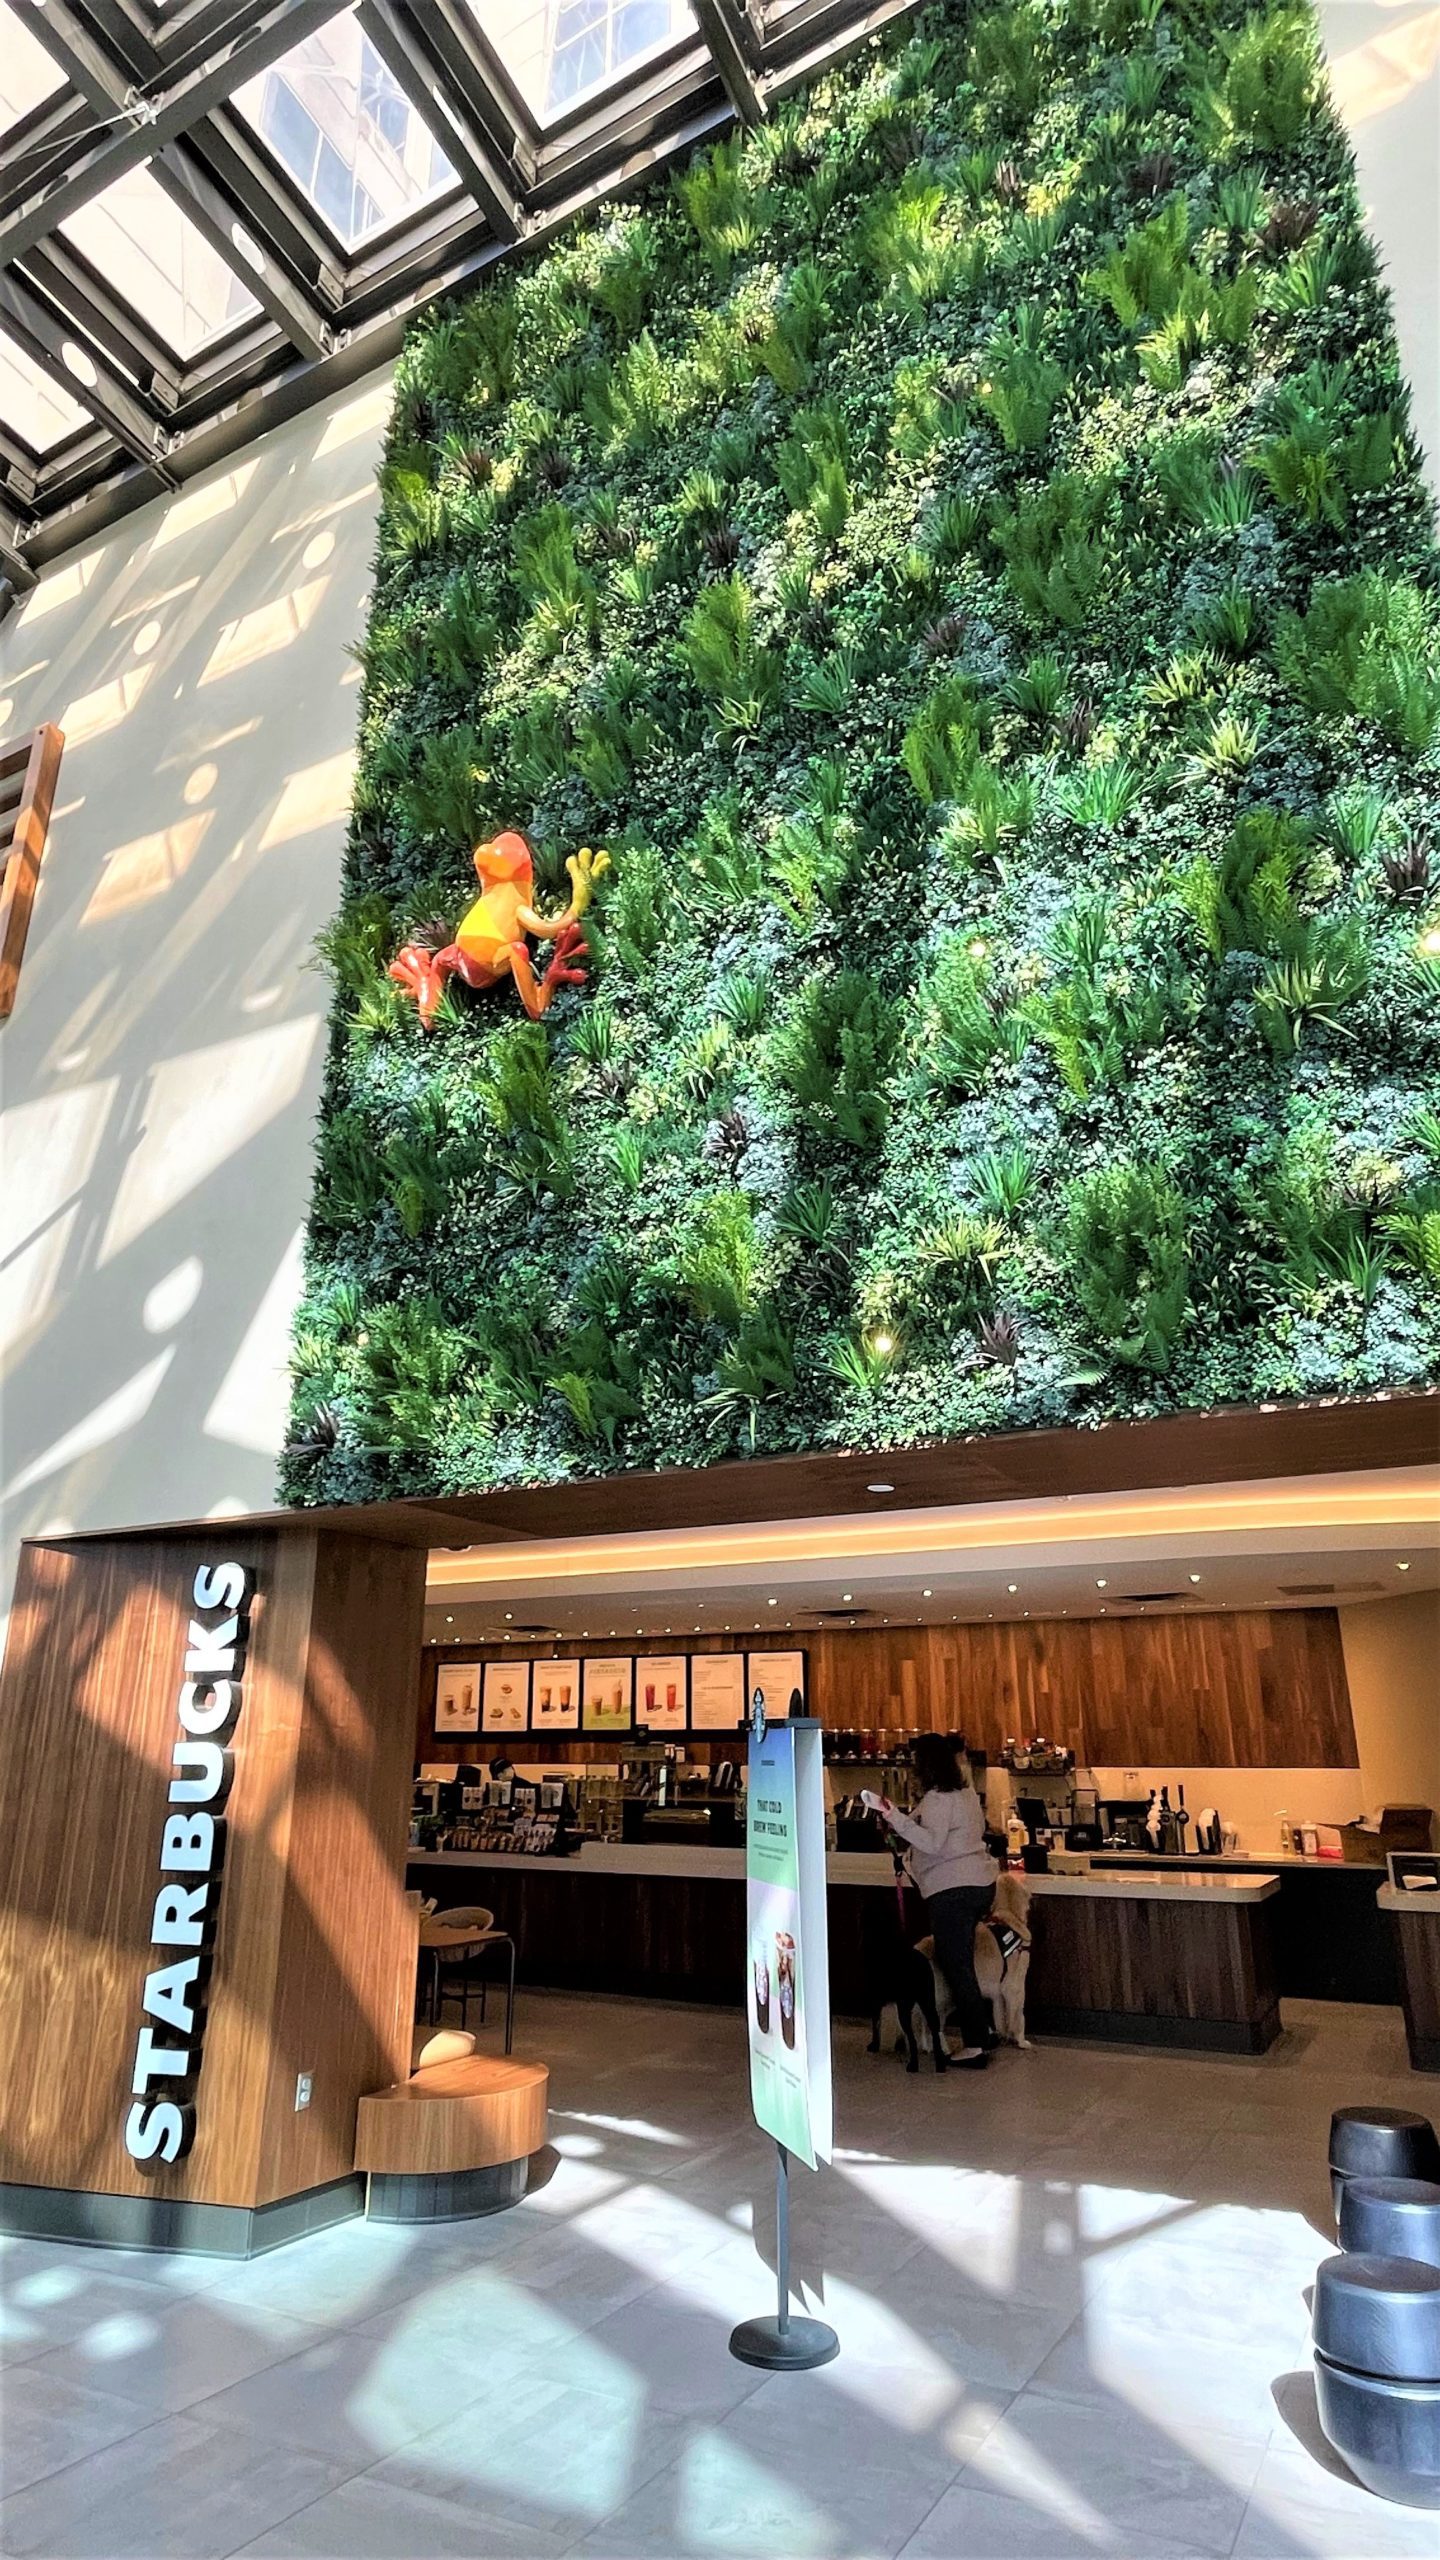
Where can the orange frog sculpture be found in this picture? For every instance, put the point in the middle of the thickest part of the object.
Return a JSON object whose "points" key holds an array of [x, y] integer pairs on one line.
{"points": [[490, 939]]}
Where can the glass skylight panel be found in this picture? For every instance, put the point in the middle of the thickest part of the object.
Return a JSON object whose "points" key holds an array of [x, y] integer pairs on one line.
{"points": [[334, 116], [27, 73], [157, 261], [32, 406], [559, 52]]}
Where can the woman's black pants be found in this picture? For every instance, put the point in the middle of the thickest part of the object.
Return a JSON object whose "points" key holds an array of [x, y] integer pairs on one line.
{"points": [[953, 1917]]}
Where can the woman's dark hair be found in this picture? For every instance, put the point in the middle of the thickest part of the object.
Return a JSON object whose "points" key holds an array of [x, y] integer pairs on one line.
{"points": [[935, 1757]]}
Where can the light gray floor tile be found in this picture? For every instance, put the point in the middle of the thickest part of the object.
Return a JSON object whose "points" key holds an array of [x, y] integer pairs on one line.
{"points": [[554, 2456], [169, 2354], [1026, 2282], [1299, 2505], [982, 2526], [796, 2476], [1118, 2465], [350, 2399], [1191, 2388], [177, 2487], [46, 2422], [367, 2519]]}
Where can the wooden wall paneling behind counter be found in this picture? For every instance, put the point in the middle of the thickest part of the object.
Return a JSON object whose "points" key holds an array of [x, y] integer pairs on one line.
{"points": [[1246, 1688]]}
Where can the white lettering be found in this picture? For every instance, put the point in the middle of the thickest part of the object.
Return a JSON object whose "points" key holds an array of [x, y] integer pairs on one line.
{"points": [[180, 1916], [212, 1767], [157, 2062], [156, 2129], [220, 1586], [187, 1844], [223, 1696], [167, 1994], [190, 1844], [212, 1649]]}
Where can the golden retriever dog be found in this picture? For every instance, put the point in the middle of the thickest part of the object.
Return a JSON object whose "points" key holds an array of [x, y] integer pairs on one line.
{"points": [[1002, 1960]]}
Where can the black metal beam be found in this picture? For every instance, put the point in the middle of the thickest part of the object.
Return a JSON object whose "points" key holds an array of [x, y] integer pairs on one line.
{"points": [[41, 329], [204, 202], [270, 205], [84, 295], [456, 37], [487, 174], [160, 115], [735, 43]]}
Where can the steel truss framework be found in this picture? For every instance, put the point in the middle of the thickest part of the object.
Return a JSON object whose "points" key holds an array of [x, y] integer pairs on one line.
{"points": [[150, 83]]}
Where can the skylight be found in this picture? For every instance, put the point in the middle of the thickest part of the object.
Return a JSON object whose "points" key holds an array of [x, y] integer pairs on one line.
{"points": [[32, 406], [559, 52], [338, 121], [157, 261], [27, 74]]}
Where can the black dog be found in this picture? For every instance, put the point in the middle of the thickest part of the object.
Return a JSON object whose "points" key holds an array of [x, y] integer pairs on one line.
{"points": [[897, 1977]]}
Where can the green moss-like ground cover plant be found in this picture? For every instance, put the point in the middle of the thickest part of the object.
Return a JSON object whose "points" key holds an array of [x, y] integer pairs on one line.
{"points": [[960, 547]]}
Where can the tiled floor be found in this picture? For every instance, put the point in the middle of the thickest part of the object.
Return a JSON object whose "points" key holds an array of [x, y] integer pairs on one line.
{"points": [[1070, 2296]]}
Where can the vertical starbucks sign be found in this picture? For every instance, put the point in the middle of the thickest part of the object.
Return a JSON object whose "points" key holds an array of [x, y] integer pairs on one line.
{"points": [[788, 1985]]}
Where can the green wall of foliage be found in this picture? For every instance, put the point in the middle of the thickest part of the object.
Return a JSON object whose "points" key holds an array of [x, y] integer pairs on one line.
{"points": [[961, 548]]}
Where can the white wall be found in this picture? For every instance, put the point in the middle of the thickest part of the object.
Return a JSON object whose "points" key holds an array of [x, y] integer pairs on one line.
{"points": [[1384, 60], [160, 1072], [1392, 1662]]}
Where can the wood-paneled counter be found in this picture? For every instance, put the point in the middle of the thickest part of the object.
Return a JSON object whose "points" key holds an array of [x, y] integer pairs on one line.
{"points": [[1138, 1959], [1415, 1921]]}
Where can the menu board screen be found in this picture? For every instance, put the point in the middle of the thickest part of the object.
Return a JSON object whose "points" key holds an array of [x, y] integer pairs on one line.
{"points": [[662, 1692], [506, 1706], [607, 1694], [717, 1692], [457, 1698], [779, 1677], [555, 1697]]}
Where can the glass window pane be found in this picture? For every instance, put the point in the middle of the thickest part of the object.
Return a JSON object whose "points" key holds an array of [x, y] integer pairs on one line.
{"points": [[27, 73], [157, 261], [331, 112], [559, 50], [32, 406]]}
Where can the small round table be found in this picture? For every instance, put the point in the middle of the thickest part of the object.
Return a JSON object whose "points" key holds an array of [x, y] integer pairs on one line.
{"points": [[437, 1940]]}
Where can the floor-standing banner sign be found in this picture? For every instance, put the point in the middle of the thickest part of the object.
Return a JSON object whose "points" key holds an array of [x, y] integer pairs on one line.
{"points": [[789, 1988], [787, 2003]]}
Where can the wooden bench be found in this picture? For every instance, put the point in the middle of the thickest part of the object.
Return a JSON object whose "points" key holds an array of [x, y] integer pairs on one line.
{"points": [[454, 2140]]}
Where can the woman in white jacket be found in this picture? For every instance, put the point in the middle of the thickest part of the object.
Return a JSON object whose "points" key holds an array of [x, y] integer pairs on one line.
{"points": [[955, 1874]]}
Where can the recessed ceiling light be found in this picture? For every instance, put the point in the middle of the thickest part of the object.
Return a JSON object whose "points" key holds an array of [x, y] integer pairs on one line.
{"points": [[1012, 1586], [1099, 1581], [509, 1614], [880, 1487], [1194, 1577], [847, 1595], [927, 1593], [449, 1622], [1402, 1564], [772, 1604]]}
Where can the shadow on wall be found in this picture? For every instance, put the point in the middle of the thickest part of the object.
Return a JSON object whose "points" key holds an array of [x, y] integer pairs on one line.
{"points": [[162, 1067], [1384, 58]]}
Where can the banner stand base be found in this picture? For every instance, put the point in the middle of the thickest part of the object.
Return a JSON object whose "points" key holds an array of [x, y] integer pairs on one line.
{"points": [[793, 2346], [790, 2343]]}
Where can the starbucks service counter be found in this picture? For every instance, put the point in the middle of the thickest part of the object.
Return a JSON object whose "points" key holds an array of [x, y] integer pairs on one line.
{"points": [[1150, 1959]]}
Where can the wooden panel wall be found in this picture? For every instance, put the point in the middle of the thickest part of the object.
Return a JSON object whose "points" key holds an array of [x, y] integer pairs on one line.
{"points": [[1250, 1688], [313, 1923]]}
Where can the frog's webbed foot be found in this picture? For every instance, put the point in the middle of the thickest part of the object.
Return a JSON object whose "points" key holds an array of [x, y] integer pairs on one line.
{"points": [[570, 947], [585, 868], [424, 974]]}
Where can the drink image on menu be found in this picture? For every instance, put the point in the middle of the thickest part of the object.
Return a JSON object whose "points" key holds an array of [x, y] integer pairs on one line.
{"points": [[760, 1972], [785, 1983]]}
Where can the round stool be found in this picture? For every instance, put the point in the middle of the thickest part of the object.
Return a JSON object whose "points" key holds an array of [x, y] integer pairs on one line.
{"points": [[1377, 2372], [1392, 2218], [1380, 2142]]}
